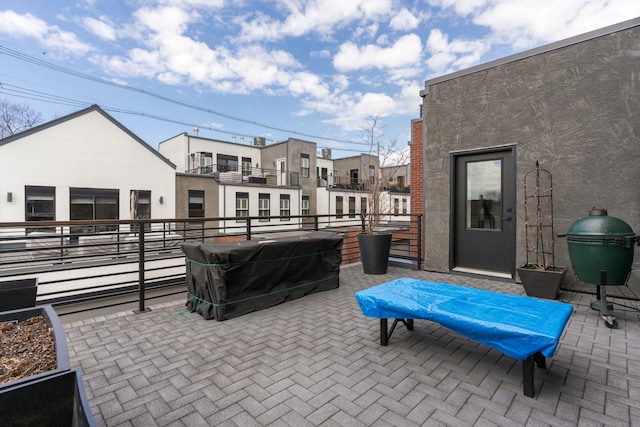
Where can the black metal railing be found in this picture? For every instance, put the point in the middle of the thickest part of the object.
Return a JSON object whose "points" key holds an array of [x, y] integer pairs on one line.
{"points": [[134, 257]]}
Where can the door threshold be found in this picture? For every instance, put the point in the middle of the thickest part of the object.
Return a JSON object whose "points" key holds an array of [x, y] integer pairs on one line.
{"points": [[482, 272]]}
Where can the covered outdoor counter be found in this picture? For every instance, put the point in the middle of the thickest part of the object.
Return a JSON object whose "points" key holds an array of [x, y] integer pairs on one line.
{"points": [[521, 327], [226, 280]]}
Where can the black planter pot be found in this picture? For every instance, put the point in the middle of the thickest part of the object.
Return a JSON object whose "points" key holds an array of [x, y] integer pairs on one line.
{"points": [[16, 294], [62, 351], [374, 252], [55, 400], [541, 283]]}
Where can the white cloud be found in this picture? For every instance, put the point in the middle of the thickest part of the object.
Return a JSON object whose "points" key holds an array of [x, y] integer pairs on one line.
{"points": [[448, 56], [100, 27], [404, 21], [321, 17], [404, 52], [523, 24], [48, 36]]}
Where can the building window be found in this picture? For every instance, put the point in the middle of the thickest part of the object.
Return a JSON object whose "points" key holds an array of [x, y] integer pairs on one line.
{"points": [[339, 207], [40, 205], [206, 160], [196, 203], [285, 207], [352, 207], [93, 204], [396, 206], [372, 174], [305, 208], [246, 166], [242, 206], [140, 207], [363, 205], [304, 165], [404, 206], [227, 163], [140, 204], [264, 206]]}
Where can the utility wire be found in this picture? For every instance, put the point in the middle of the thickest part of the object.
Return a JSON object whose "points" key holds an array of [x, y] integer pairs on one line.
{"points": [[25, 93], [33, 60]]}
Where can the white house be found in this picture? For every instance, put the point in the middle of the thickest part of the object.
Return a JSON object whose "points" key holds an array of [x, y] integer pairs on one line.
{"points": [[83, 166]]}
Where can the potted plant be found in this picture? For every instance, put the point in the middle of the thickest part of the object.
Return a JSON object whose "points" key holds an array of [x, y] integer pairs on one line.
{"points": [[374, 242], [539, 275]]}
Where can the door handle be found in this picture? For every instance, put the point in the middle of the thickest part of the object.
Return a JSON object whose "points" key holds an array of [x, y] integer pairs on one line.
{"points": [[508, 218]]}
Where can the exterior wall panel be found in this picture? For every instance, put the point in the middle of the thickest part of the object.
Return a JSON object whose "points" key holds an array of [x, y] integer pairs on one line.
{"points": [[574, 109]]}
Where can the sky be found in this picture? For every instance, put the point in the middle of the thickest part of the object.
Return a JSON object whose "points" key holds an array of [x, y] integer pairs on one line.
{"points": [[317, 70]]}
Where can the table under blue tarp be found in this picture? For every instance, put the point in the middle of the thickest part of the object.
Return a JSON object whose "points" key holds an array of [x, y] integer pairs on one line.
{"points": [[521, 327]]}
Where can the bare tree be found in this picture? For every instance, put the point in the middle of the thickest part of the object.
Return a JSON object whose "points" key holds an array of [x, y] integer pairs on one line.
{"points": [[388, 155], [16, 118]]}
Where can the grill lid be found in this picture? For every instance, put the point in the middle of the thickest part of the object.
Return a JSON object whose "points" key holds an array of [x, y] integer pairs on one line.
{"points": [[601, 228]]}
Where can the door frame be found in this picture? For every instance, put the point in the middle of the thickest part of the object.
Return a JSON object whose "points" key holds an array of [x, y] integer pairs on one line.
{"points": [[453, 156]]}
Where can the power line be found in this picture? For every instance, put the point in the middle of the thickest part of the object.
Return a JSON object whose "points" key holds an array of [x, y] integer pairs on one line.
{"points": [[25, 93], [33, 60]]}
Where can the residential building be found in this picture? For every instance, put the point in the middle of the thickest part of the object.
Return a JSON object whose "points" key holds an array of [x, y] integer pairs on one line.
{"points": [[65, 169], [572, 106], [234, 179]]}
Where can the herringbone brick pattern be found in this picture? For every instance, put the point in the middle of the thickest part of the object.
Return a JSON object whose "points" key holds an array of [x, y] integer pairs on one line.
{"points": [[317, 361]]}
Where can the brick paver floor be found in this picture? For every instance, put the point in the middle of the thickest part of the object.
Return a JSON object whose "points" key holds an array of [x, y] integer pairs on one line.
{"points": [[317, 361]]}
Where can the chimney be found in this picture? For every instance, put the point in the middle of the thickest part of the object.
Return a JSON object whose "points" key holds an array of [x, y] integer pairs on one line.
{"points": [[195, 131]]}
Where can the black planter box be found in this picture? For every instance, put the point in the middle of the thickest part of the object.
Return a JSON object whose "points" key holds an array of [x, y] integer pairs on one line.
{"points": [[55, 400], [62, 352], [16, 294]]}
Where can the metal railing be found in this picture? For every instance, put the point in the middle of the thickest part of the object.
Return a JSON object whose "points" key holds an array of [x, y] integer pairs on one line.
{"points": [[133, 257]]}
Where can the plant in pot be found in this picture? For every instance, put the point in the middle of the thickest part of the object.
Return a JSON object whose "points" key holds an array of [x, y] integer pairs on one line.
{"points": [[540, 276], [375, 242]]}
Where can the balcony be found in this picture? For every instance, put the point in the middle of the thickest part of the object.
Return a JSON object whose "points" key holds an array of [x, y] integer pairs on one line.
{"points": [[231, 174], [131, 258], [311, 361]]}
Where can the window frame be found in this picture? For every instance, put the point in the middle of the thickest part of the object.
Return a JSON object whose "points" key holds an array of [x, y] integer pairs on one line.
{"points": [[194, 212], [305, 164], [264, 212], [242, 206], [305, 205], [285, 207]]}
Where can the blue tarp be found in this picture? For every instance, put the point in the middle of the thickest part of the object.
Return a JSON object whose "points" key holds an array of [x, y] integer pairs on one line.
{"points": [[518, 326]]}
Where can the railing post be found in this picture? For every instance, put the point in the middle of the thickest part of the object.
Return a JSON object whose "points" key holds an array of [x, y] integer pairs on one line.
{"points": [[248, 228], [316, 223], [141, 284]]}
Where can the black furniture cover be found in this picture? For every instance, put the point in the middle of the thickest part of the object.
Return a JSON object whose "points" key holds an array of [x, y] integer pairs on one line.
{"points": [[227, 280]]}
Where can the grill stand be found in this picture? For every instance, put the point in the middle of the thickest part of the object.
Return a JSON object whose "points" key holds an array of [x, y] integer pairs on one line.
{"points": [[606, 309]]}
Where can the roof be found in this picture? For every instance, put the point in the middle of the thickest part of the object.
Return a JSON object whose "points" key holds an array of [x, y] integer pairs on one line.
{"points": [[532, 52], [77, 114]]}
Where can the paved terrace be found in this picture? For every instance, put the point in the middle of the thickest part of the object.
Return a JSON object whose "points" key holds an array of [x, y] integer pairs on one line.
{"points": [[317, 361]]}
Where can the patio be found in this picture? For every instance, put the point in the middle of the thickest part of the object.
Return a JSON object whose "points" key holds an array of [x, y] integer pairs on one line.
{"points": [[317, 361]]}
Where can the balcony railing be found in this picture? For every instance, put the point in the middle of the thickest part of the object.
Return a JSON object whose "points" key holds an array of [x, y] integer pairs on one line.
{"points": [[133, 257], [230, 174]]}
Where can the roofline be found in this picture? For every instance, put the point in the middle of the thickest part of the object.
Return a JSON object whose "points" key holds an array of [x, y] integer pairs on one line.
{"points": [[532, 52], [77, 114]]}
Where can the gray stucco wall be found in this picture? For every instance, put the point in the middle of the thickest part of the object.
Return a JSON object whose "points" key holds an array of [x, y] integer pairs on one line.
{"points": [[576, 109]]}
